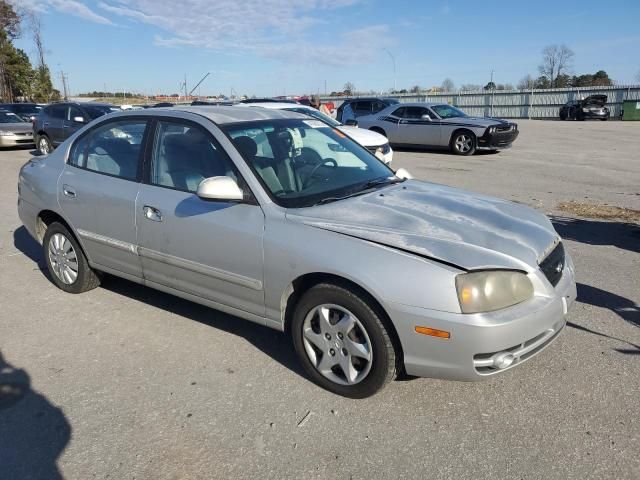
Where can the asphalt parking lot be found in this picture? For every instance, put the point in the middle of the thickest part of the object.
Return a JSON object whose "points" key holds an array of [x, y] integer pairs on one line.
{"points": [[125, 382]]}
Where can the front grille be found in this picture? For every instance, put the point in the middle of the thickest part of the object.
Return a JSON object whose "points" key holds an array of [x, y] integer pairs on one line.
{"points": [[504, 128], [553, 265]]}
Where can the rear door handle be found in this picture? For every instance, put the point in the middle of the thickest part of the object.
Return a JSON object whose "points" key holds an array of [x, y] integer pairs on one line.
{"points": [[152, 213], [68, 191]]}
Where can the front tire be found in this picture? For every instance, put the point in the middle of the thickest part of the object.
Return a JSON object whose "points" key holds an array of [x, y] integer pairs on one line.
{"points": [[44, 145], [379, 130], [463, 143], [66, 262], [341, 341]]}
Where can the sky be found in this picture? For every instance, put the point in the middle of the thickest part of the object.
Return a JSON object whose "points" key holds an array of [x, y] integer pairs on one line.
{"points": [[287, 47]]}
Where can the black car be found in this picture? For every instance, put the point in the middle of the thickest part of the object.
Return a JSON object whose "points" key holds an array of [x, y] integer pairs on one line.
{"points": [[591, 107], [353, 108], [58, 121], [28, 111]]}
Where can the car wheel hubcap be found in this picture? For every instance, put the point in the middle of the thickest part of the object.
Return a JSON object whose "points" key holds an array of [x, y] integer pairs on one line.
{"points": [[337, 344], [44, 145], [463, 143], [63, 259]]}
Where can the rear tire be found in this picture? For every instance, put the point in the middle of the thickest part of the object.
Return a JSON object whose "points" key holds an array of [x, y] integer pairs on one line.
{"points": [[463, 142], [379, 130], [44, 145], [563, 116], [341, 341], [66, 262]]}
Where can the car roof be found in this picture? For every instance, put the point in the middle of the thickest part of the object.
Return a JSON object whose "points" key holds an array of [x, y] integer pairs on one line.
{"points": [[274, 105], [220, 115], [418, 104]]}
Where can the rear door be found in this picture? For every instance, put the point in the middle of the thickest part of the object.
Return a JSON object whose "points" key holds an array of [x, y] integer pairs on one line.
{"points": [[207, 248], [415, 130], [97, 192], [54, 122]]}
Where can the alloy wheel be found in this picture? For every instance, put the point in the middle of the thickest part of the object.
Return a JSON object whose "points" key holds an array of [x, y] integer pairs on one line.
{"points": [[43, 146], [63, 259], [464, 143], [337, 344]]}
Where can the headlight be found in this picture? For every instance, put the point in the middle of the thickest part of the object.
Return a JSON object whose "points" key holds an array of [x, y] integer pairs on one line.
{"points": [[585, 110], [492, 129], [385, 148], [492, 290]]}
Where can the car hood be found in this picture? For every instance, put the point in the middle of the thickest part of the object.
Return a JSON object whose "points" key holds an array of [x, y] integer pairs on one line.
{"points": [[599, 100], [476, 121], [464, 229], [18, 127], [363, 136]]}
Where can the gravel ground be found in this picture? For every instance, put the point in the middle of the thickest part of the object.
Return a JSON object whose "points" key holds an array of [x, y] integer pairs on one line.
{"points": [[124, 382]]}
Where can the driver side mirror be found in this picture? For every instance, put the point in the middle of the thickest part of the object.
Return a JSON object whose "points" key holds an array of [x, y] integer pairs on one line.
{"points": [[351, 122], [219, 188], [78, 119], [425, 117]]}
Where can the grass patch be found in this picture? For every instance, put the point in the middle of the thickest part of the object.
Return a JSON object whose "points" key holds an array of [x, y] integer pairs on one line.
{"points": [[604, 212]]}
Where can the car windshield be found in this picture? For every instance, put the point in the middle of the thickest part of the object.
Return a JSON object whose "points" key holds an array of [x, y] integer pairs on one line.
{"points": [[96, 111], [9, 117], [447, 111], [312, 112], [306, 162]]}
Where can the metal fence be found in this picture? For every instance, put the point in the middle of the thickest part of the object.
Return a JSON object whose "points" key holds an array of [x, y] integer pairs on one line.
{"points": [[519, 103]]}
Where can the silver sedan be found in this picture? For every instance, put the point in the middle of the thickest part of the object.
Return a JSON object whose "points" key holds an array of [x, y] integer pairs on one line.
{"points": [[15, 131], [370, 272]]}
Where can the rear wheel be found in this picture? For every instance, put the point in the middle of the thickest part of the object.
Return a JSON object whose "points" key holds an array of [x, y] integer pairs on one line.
{"points": [[463, 143], [378, 130], [66, 261], [563, 116], [342, 342], [44, 145]]}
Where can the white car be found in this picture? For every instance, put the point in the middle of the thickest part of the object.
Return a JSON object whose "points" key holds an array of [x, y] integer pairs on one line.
{"points": [[374, 142]]}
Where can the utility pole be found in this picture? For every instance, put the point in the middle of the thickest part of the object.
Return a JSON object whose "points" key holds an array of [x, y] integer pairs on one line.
{"points": [[325, 88], [64, 85], [393, 59], [185, 86]]}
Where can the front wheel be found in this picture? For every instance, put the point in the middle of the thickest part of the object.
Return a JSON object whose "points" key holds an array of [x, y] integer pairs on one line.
{"points": [[463, 143], [342, 342], [67, 264]]}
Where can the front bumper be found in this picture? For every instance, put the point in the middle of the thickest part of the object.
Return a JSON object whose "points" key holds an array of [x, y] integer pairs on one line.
{"points": [[497, 140], [480, 343], [596, 114], [16, 140]]}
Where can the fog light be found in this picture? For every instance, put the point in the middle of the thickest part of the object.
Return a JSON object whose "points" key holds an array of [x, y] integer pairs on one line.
{"points": [[503, 360]]}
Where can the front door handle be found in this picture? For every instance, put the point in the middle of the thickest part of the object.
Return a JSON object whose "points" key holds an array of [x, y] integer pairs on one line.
{"points": [[152, 213], [68, 191]]}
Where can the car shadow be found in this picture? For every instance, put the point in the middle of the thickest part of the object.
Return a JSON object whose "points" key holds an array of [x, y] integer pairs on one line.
{"points": [[595, 232], [24, 242], [33, 432], [438, 151], [271, 342]]}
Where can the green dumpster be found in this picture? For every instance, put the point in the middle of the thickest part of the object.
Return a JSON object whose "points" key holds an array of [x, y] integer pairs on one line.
{"points": [[631, 110]]}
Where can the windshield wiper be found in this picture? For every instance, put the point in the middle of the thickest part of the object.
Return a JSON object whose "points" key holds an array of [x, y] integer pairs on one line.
{"points": [[364, 188]]}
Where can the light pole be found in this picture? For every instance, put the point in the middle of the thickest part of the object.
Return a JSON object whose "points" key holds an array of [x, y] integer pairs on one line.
{"points": [[493, 88], [393, 59]]}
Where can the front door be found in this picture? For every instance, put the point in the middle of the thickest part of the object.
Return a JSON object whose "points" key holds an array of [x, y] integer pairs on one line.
{"points": [[97, 192], [211, 249], [413, 129]]}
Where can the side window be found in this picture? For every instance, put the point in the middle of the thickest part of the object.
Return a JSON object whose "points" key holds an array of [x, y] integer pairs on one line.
{"points": [[377, 106], [363, 107], [415, 113], [73, 113], [58, 111], [78, 154], [399, 112], [184, 155], [114, 148]]}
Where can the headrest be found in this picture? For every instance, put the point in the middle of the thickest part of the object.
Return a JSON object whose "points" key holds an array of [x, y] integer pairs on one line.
{"points": [[247, 147]]}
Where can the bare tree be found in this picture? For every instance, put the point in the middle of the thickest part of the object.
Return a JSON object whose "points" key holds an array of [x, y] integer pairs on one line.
{"points": [[638, 76], [349, 88], [447, 85], [556, 61], [526, 83], [415, 89], [36, 32], [470, 87]]}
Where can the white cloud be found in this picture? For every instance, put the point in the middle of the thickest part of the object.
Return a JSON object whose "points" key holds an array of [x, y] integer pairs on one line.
{"points": [[72, 7], [282, 29]]}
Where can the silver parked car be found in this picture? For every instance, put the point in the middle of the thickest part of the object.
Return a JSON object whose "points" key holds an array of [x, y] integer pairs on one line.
{"points": [[371, 273], [440, 126]]}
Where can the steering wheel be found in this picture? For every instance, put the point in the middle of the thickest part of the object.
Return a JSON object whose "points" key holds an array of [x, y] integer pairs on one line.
{"points": [[305, 184]]}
